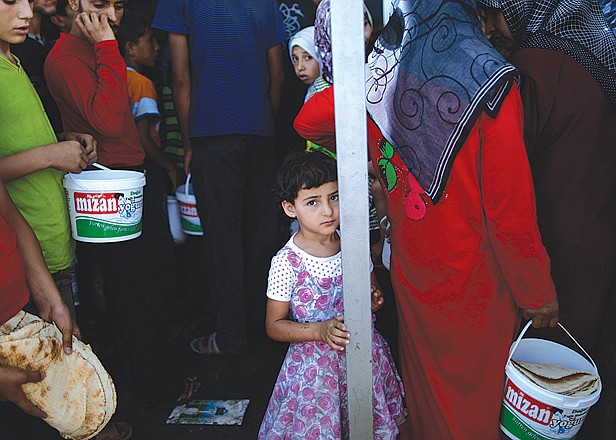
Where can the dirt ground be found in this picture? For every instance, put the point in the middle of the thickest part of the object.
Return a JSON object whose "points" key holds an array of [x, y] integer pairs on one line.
{"points": [[253, 378], [250, 378]]}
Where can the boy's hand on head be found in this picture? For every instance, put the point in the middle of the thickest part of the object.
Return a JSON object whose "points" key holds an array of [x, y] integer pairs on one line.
{"points": [[376, 299], [334, 333], [95, 27]]}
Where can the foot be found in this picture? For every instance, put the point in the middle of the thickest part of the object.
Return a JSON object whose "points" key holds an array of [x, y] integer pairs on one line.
{"points": [[115, 431], [189, 390], [205, 345], [192, 385]]}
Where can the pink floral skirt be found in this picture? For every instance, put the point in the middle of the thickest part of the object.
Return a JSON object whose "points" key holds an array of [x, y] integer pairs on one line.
{"points": [[309, 400]]}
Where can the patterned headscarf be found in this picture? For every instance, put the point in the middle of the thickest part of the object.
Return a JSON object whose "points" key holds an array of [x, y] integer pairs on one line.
{"points": [[323, 36], [430, 75], [575, 27]]}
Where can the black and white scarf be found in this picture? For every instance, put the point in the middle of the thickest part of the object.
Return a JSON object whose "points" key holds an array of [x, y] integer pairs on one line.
{"points": [[575, 27]]}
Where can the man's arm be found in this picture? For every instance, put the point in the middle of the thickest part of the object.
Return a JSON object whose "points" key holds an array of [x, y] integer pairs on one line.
{"points": [[182, 87], [510, 213], [276, 73], [40, 283]]}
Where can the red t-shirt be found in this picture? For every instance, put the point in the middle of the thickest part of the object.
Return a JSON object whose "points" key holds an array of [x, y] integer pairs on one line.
{"points": [[13, 289], [89, 85]]}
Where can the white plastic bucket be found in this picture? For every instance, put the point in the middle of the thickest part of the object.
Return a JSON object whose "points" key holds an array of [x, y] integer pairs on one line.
{"points": [[191, 224], [105, 206], [175, 221], [532, 412]]}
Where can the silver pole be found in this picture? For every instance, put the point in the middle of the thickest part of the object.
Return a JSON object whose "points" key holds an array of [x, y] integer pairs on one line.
{"points": [[351, 134]]}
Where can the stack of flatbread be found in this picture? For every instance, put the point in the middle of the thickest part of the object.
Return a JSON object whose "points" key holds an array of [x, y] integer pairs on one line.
{"points": [[77, 393], [559, 379]]}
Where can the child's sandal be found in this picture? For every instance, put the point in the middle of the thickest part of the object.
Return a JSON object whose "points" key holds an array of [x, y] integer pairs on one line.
{"points": [[205, 345], [192, 385]]}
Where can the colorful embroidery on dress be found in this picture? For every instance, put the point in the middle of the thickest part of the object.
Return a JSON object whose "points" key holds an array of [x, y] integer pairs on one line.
{"points": [[414, 205]]}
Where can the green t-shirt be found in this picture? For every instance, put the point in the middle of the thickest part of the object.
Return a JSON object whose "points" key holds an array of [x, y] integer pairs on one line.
{"points": [[39, 196]]}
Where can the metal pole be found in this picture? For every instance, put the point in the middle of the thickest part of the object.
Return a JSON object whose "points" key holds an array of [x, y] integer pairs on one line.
{"points": [[351, 134]]}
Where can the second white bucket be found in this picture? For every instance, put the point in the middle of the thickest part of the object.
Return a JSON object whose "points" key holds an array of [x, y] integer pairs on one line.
{"points": [[532, 412], [191, 224], [175, 221]]}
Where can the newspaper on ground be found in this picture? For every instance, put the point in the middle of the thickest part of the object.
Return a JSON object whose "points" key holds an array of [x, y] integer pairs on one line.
{"points": [[209, 412]]}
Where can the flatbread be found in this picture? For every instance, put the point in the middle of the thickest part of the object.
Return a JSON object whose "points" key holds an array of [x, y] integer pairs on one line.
{"points": [[559, 379], [77, 393]]}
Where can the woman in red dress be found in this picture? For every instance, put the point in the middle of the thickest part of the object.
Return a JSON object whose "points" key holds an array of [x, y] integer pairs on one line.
{"points": [[467, 259]]}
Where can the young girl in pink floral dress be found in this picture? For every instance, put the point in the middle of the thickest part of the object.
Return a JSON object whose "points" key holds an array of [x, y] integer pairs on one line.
{"points": [[305, 308]]}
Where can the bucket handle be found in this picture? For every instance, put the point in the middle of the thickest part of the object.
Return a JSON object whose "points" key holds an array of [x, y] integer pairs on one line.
{"points": [[186, 192], [100, 167], [526, 327]]}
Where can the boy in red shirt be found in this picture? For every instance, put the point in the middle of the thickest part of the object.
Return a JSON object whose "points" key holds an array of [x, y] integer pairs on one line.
{"points": [[23, 272], [87, 77]]}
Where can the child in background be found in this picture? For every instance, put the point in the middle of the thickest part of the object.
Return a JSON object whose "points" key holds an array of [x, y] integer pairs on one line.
{"points": [[304, 58], [322, 43], [140, 49], [305, 308], [323, 47], [61, 21]]}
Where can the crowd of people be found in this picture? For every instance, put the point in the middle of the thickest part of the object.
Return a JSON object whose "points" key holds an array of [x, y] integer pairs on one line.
{"points": [[491, 155]]}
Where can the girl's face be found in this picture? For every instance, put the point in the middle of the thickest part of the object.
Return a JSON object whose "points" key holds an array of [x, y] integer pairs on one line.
{"points": [[306, 68], [316, 210], [15, 16]]}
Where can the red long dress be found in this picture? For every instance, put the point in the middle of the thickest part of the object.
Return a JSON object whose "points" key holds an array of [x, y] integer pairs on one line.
{"points": [[461, 270]]}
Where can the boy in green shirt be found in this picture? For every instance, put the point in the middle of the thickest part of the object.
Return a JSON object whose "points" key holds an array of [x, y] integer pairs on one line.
{"points": [[32, 160]]}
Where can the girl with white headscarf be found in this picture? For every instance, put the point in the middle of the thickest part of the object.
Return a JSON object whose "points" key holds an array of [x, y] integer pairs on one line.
{"points": [[308, 70]]}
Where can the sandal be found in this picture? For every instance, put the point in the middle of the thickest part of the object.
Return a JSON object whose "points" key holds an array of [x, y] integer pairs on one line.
{"points": [[115, 431], [205, 345], [192, 385]]}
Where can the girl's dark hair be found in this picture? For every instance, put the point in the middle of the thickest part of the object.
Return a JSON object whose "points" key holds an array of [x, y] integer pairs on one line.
{"points": [[303, 171]]}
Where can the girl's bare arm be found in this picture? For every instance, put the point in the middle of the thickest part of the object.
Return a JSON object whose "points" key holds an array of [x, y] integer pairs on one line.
{"points": [[280, 328]]}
